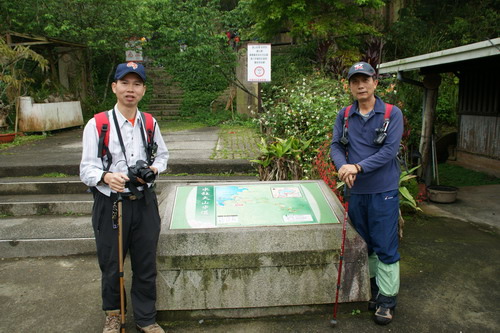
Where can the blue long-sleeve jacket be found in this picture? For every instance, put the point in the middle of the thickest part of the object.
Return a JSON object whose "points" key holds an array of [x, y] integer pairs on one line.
{"points": [[379, 162]]}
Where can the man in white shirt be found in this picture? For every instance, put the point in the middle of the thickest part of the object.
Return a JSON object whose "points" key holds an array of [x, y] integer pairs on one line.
{"points": [[110, 175]]}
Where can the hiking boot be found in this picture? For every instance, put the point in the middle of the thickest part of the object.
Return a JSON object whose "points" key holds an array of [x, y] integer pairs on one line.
{"points": [[383, 316], [113, 322], [154, 328]]}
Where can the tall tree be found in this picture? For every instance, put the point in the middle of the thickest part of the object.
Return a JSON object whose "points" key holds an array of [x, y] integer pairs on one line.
{"points": [[427, 25], [320, 21], [104, 26]]}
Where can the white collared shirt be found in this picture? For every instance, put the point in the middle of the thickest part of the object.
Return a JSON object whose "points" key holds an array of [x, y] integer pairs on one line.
{"points": [[91, 166]]}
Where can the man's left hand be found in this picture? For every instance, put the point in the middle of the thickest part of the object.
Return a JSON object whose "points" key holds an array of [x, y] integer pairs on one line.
{"points": [[155, 170]]}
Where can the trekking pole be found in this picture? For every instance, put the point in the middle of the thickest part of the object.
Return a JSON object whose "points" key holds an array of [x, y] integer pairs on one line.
{"points": [[120, 263], [347, 194]]}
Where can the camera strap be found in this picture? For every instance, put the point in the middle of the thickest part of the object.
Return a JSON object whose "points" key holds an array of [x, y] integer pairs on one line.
{"points": [[131, 186], [118, 132]]}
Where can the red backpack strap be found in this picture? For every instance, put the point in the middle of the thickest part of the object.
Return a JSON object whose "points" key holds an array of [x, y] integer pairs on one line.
{"points": [[102, 125], [147, 118], [388, 109], [346, 116], [387, 116]]}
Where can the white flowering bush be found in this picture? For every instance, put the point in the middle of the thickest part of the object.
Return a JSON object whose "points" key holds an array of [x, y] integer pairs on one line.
{"points": [[305, 110]]}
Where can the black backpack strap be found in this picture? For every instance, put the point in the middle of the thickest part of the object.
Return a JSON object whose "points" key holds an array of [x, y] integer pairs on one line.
{"points": [[344, 140], [150, 146]]}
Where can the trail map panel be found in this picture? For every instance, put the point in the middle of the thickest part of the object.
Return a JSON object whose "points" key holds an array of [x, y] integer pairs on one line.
{"points": [[244, 205]]}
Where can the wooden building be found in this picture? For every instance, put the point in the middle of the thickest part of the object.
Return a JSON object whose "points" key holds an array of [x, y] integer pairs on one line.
{"points": [[67, 60], [478, 68]]}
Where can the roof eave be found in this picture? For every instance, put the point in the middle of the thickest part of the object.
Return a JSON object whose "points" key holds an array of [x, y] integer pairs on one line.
{"points": [[482, 49]]}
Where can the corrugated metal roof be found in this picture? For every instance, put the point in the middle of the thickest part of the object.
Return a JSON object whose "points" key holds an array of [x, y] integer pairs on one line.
{"points": [[490, 47]]}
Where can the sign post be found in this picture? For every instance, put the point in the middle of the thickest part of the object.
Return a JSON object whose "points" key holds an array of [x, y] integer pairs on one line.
{"points": [[134, 50], [259, 63]]}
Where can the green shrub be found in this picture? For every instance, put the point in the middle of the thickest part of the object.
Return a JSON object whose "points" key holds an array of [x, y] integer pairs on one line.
{"points": [[305, 110], [281, 159]]}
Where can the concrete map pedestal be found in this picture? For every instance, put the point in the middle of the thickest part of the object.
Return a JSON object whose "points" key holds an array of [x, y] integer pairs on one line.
{"points": [[256, 248]]}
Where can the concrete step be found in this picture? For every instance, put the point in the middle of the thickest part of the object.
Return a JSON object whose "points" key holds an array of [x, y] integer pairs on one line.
{"points": [[49, 235], [166, 100], [165, 115], [167, 92], [173, 116], [164, 106], [46, 204], [25, 186]]}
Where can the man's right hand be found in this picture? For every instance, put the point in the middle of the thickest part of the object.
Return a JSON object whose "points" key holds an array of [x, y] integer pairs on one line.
{"points": [[116, 181], [347, 173]]}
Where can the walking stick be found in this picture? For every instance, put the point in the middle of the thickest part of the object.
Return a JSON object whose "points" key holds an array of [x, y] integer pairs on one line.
{"points": [[120, 264], [347, 194]]}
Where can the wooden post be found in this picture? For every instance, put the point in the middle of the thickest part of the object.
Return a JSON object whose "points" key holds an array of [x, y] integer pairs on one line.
{"points": [[431, 85], [246, 101]]}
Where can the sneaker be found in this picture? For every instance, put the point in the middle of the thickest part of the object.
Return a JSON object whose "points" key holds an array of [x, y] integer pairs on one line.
{"points": [[113, 322], [383, 316], [154, 328]]}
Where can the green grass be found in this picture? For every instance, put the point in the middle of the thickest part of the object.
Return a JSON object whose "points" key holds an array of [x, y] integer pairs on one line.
{"points": [[21, 140], [54, 175], [454, 175]]}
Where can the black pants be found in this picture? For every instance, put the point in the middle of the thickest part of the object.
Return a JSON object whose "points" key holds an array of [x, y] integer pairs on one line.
{"points": [[141, 229]]}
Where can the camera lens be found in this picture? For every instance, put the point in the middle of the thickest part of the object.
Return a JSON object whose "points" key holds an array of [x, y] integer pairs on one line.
{"points": [[147, 175]]}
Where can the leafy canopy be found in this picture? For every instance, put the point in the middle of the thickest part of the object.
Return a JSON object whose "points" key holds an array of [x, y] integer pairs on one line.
{"points": [[321, 19]]}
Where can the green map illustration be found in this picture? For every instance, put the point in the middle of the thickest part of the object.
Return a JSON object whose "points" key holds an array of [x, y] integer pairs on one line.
{"points": [[212, 206], [238, 205]]}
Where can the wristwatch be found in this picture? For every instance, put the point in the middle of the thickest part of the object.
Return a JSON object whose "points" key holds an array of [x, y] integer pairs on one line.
{"points": [[102, 178]]}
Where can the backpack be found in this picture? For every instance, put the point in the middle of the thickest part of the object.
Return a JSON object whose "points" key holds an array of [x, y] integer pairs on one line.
{"points": [[382, 132], [102, 125]]}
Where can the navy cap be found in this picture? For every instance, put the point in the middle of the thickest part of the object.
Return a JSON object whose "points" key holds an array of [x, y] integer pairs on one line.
{"points": [[361, 68], [130, 67]]}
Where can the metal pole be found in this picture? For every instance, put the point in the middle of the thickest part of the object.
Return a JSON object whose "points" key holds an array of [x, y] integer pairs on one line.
{"points": [[347, 194]]}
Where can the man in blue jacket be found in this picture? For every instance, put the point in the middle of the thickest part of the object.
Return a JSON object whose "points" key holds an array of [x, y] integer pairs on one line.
{"points": [[364, 149]]}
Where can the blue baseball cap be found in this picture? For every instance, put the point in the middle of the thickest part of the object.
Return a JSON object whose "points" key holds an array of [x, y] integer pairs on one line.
{"points": [[130, 67], [361, 68]]}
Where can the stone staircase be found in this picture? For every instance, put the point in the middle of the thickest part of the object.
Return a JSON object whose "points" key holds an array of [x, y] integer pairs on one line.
{"points": [[167, 95], [46, 217], [51, 217]]}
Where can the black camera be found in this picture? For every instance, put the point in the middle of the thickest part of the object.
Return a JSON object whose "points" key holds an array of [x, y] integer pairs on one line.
{"points": [[140, 170]]}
